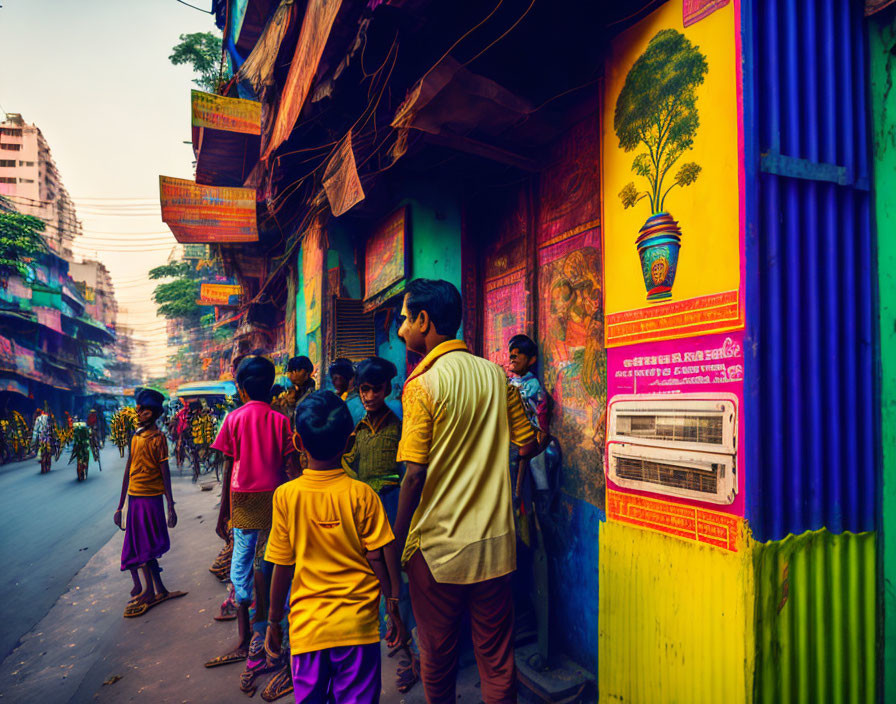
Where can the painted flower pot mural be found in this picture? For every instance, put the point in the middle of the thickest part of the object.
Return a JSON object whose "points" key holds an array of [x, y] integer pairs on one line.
{"points": [[657, 110], [658, 244]]}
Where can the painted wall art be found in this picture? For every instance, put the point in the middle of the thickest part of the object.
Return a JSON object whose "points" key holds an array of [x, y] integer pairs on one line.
{"points": [[569, 308], [385, 261], [312, 276], [672, 207]]}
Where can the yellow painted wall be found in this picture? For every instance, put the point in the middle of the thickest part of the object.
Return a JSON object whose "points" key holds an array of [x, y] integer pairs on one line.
{"points": [[676, 620]]}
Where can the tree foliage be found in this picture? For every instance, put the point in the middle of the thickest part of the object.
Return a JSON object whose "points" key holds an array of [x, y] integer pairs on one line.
{"points": [[177, 299], [21, 239], [657, 108], [201, 50]]}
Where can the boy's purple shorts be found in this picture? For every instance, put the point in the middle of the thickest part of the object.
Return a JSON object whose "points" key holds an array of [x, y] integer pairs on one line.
{"points": [[350, 673]]}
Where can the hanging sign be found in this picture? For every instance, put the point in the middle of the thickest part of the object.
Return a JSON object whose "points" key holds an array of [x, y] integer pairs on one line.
{"points": [[218, 294], [203, 214], [221, 113]]}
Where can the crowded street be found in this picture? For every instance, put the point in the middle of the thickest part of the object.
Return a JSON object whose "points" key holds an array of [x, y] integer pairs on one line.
{"points": [[428, 351]]}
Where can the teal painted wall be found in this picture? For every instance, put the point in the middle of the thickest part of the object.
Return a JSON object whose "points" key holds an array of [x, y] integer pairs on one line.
{"points": [[435, 232], [882, 55], [341, 252]]}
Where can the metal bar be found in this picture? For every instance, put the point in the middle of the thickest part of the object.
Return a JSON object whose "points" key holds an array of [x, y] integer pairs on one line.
{"points": [[804, 169]]}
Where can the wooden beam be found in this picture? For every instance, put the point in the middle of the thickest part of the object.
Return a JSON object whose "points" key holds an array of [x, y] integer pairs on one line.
{"points": [[481, 149]]}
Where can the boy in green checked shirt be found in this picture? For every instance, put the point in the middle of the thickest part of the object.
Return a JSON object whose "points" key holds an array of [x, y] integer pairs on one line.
{"points": [[371, 458], [374, 443]]}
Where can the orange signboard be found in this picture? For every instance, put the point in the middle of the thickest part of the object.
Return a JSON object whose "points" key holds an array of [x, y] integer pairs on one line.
{"points": [[689, 522], [201, 214], [217, 294]]}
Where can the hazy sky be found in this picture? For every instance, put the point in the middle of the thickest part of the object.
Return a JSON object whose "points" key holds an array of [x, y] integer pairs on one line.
{"points": [[94, 76]]}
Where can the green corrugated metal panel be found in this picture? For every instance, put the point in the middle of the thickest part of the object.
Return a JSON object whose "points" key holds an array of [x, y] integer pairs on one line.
{"points": [[882, 58], [815, 619]]}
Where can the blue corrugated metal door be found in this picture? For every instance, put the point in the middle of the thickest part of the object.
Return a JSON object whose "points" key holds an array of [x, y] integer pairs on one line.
{"points": [[811, 415]]}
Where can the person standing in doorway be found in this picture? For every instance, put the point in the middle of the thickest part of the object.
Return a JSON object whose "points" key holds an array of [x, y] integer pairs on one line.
{"points": [[455, 512]]}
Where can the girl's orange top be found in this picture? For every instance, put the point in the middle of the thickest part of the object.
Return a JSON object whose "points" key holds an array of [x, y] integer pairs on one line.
{"points": [[148, 450]]}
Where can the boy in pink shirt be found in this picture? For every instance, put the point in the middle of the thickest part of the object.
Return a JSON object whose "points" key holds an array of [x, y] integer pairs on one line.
{"points": [[256, 442]]}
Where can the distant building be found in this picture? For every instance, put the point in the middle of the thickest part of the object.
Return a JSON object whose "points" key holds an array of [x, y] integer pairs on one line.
{"points": [[31, 181]]}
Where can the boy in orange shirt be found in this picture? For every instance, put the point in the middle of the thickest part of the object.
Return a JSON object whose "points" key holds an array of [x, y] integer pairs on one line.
{"points": [[331, 539]]}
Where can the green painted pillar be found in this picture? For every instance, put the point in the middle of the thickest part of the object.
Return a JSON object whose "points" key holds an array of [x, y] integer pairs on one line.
{"points": [[882, 53]]}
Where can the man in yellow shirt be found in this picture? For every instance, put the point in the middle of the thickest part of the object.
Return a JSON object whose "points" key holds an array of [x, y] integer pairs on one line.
{"points": [[455, 515], [330, 537]]}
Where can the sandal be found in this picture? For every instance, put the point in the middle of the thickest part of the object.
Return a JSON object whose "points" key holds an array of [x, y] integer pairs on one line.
{"points": [[233, 656], [256, 665], [138, 609], [408, 674], [279, 686]]}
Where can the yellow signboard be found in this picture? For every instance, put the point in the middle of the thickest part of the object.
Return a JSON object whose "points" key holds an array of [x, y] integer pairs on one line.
{"points": [[672, 178]]}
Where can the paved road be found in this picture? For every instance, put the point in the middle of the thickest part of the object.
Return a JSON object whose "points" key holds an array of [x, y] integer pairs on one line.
{"points": [[51, 526]]}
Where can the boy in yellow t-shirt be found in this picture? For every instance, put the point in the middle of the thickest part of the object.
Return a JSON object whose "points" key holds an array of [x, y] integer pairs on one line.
{"points": [[331, 539]]}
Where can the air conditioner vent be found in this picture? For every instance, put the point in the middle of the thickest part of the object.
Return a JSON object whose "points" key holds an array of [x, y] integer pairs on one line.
{"points": [[675, 444], [707, 429], [670, 475]]}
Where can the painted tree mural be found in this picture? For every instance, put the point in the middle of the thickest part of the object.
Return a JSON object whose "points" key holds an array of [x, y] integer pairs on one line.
{"points": [[657, 108]]}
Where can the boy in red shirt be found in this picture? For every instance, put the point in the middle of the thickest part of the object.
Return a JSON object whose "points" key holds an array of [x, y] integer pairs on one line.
{"points": [[256, 442]]}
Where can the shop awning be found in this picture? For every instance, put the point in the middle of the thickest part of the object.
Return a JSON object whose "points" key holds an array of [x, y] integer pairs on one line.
{"points": [[203, 214], [226, 138], [206, 388]]}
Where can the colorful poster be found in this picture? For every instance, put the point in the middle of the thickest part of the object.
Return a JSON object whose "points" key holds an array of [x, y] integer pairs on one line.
{"points": [[385, 263], [312, 276], [504, 312], [202, 214], [674, 435], [672, 176], [572, 357]]}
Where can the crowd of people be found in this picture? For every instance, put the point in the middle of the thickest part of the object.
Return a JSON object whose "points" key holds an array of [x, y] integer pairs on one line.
{"points": [[45, 438], [349, 518]]}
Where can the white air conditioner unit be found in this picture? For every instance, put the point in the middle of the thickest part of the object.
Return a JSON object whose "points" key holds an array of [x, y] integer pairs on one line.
{"points": [[677, 445]]}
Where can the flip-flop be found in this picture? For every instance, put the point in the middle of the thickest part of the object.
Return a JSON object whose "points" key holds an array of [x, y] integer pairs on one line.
{"points": [[279, 686], [233, 656], [135, 610]]}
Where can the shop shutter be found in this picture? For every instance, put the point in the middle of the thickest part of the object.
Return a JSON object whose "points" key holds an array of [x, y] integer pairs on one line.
{"points": [[353, 336]]}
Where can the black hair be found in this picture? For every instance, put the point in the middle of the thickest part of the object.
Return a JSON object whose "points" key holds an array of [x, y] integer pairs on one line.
{"points": [[440, 299], [276, 390], [324, 424], [149, 398], [259, 352], [524, 344], [343, 367], [376, 371], [236, 361], [297, 364], [255, 376]]}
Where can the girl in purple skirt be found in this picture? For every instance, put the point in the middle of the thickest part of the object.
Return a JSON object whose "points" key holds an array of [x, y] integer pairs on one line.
{"points": [[146, 480]]}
